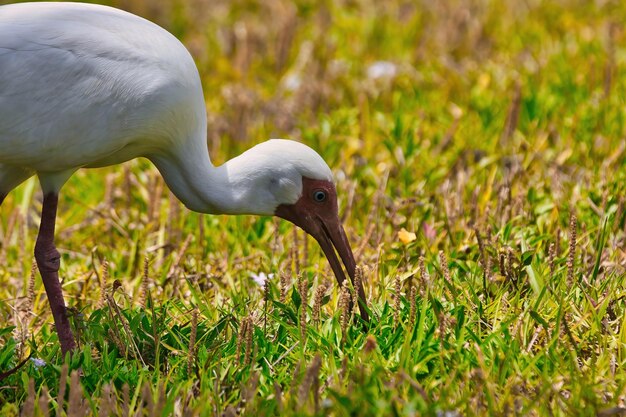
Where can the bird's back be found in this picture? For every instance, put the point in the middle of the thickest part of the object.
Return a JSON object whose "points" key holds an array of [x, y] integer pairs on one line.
{"points": [[84, 85]]}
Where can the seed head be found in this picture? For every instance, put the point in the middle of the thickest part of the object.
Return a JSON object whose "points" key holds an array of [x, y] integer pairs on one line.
{"points": [[31, 285], [249, 335], [144, 283], [104, 278], [317, 302], [345, 307], [191, 355], [571, 259], [413, 307], [396, 298]]}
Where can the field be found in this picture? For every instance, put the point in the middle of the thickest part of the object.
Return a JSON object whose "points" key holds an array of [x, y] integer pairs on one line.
{"points": [[479, 153]]}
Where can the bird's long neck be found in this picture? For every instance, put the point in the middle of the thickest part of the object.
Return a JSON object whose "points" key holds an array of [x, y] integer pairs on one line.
{"points": [[200, 185]]}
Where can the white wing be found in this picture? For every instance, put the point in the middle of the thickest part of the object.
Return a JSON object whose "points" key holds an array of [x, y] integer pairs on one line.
{"points": [[81, 83]]}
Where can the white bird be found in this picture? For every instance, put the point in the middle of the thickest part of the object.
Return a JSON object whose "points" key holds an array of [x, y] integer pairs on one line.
{"points": [[86, 86]]}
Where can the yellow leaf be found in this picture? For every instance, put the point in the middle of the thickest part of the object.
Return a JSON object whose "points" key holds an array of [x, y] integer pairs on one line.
{"points": [[405, 236]]}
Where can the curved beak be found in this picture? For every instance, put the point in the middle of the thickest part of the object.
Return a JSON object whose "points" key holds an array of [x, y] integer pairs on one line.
{"points": [[332, 238]]}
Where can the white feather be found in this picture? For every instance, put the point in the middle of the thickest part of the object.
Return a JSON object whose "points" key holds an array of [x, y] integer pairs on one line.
{"points": [[86, 85]]}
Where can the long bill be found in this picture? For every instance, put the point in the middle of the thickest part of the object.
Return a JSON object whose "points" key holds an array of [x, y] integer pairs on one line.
{"points": [[331, 238], [330, 235]]}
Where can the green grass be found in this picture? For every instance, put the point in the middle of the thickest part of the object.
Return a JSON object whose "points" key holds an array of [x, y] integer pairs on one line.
{"points": [[501, 122]]}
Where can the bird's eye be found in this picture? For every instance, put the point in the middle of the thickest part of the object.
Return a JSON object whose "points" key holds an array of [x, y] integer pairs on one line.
{"points": [[319, 196]]}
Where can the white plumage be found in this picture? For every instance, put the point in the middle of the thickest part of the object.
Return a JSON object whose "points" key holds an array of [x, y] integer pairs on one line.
{"points": [[86, 86]]}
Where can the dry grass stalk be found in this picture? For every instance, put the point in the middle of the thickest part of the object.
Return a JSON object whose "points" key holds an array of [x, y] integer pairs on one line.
{"points": [[305, 249], [28, 409], [249, 389], [107, 406], [159, 404], [502, 264], [44, 401], [358, 282], [425, 276], [191, 355], [396, 298], [241, 337], [317, 303], [344, 306], [504, 198], [287, 25], [172, 229], [343, 372], [125, 400], [365, 240], [179, 257], [510, 271], [586, 261], [303, 288], [372, 216], [284, 287], [481, 248], [115, 338], [201, 242], [31, 285], [380, 196], [146, 398], [266, 302], [488, 269], [413, 307], [609, 67], [350, 193], [154, 202], [62, 388], [243, 53], [571, 259], [153, 401], [278, 396], [474, 209], [76, 402], [294, 379], [104, 278], [230, 411], [115, 310], [551, 253], [310, 377], [275, 245], [21, 241], [488, 230], [513, 114], [266, 292], [370, 344], [249, 335], [443, 261], [108, 191], [10, 226], [127, 188], [364, 116], [143, 295]]}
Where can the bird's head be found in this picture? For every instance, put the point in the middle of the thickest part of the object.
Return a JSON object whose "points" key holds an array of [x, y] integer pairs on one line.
{"points": [[297, 185]]}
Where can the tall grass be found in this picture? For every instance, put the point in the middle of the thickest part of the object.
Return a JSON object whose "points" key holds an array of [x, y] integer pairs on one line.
{"points": [[494, 131]]}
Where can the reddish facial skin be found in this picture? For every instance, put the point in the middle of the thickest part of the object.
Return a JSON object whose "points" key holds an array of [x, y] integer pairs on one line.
{"points": [[320, 219]]}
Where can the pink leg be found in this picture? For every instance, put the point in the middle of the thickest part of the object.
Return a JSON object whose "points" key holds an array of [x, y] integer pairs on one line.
{"points": [[48, 260]]}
